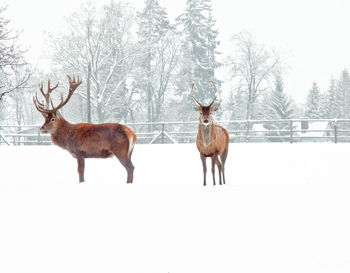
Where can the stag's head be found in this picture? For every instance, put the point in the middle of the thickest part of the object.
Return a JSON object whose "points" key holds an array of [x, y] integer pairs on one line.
{"points": [[52, 115], [205, 112]]}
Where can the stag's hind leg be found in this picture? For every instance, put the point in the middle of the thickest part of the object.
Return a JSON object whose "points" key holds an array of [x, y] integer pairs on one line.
{"points": [[121, 152], [126, 162]]}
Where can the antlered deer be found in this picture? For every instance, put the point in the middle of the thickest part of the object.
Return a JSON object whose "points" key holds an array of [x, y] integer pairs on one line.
{"points": [[212, 140], [85, 140]]}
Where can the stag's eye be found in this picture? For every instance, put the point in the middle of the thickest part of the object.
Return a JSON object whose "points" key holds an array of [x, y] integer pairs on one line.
{"points": [[53, 119]]}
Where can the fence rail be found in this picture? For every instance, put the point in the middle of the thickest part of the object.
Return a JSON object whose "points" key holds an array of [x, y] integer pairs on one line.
{"points": [[293, 130]]}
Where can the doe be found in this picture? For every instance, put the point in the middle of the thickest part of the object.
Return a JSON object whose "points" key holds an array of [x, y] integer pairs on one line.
{"points": [[212, 140]]}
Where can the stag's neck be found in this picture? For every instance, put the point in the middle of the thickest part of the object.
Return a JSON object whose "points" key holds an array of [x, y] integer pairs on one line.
{"points": [[206, 134], [62, 133]]}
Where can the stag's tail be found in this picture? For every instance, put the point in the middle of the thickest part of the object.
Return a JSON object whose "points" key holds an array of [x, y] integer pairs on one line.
{"points": [[132, 141]]}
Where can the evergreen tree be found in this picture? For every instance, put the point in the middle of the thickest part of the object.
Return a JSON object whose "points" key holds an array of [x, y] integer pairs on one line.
{"points": [[280, 104], [331, 103], [238, 103], [343, 95], [313, 103], [279, 107], [159, 58], [198, 55], [323, 106]]}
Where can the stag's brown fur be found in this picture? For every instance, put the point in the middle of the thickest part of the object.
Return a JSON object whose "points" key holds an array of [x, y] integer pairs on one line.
{"points": [[85, 140]]}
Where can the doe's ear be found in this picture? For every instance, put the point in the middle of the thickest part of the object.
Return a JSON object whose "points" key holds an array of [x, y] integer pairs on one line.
{"points": [[215, 107], [196, 107]]}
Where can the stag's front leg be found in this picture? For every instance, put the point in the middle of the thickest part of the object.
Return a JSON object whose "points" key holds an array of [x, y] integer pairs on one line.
{"points": [[81, 167], [204, 163]]}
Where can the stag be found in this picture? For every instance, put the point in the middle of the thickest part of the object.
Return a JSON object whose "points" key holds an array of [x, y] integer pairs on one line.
{"points": [[212, 140], [85, 140]]}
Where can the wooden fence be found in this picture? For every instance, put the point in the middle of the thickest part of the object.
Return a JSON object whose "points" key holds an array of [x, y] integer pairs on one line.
{"points": [[294, 130]]}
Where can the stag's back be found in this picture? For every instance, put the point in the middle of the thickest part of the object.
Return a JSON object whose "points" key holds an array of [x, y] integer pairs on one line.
{"points": [[95, 140]]}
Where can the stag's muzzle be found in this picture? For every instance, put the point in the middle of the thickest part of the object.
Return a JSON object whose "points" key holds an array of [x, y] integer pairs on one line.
{"points": [[43, 130]]}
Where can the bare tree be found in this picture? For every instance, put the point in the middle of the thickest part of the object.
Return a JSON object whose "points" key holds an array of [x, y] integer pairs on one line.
{"points": [[252, 66], [10, 86], [104, 44], [165, 60], [13, 74], [168, 62]]}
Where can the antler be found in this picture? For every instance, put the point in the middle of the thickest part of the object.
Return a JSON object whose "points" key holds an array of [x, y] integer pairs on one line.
{"points": [[40, 106], [48, 93], [216, 93], [73, 84], [194, 96]]}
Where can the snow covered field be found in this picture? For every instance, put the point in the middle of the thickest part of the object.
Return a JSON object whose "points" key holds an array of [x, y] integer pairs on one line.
{"points": [[285, 208]]}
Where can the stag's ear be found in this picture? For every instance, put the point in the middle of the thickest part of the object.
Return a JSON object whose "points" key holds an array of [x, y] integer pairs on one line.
{"points": [[215, 107], [196, 107], [44, 114]]}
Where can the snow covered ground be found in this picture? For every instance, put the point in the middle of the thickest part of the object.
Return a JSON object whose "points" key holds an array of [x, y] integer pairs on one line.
{"points": [[285, 208]]}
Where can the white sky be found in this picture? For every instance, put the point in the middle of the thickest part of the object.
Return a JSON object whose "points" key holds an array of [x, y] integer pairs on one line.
{"points": [[313, 34]]}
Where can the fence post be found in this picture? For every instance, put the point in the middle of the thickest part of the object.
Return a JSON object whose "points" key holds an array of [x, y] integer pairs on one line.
{"points": [[335, 131], [291, 131], [163, 133], [247, 132], [39, 136]]}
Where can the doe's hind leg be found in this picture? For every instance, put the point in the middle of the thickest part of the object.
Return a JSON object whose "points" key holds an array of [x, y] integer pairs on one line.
{"points": [[218, 163], [223, 160]]}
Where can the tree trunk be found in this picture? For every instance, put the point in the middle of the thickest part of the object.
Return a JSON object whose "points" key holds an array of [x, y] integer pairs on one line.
{"points": [[149, 92], [100, 114], [88, 95]]}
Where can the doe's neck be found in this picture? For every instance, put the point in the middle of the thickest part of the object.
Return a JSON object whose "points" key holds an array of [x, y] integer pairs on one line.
{"points": [[206, 133]]}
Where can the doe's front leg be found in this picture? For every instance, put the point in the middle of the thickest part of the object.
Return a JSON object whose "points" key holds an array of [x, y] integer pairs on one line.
{"points": [[204, 163]]}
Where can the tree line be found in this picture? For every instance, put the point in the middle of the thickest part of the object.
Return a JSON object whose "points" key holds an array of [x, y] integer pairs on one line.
{"points": [[138, 66]]}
